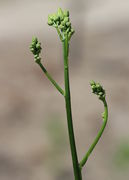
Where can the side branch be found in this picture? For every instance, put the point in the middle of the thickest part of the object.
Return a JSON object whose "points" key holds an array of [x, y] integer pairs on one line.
{"points": [[105, 118], [51, 79], [100, 92], [35, 48]]}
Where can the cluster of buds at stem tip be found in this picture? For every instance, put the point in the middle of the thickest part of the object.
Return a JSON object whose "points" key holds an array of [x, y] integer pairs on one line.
{"points": [[60, 20], [98, 90], [35, 48]]}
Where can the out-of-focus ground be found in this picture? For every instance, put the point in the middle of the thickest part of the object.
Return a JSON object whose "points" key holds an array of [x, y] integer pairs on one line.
{"points": [[33, 131]]}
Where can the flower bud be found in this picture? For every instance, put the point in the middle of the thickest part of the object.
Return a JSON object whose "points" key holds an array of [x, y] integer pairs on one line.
{"points": [[34, 40], [60, 14], [66, 19], [68, 24], [55, 17], [35, 48], [62, 23], [98, 90], [50, 16], [103, 115], [38, 45], [50, 23], [91, 82], [68, 30], [72, 30], [66, 13]]}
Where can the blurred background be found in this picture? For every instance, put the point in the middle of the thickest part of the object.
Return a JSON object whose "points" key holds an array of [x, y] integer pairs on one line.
{"points": [[33, 131]]}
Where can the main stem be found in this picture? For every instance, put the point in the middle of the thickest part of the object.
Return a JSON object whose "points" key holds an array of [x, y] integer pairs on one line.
{"points": [[76, 168]]}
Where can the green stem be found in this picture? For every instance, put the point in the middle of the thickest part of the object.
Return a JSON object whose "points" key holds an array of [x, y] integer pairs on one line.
{"points": [[76, 168], [84, 160], [51, 79]]}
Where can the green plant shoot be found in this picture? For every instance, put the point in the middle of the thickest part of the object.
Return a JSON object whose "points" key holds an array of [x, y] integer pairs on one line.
{"points": [[61, 22]]}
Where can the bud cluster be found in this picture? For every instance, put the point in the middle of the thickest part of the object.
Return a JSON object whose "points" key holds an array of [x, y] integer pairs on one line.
{"points": [[98, 90], [35, 48], [61, 21]]}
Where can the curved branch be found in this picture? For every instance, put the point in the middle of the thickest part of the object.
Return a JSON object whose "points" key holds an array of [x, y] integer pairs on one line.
{"points": [[105, 118]]}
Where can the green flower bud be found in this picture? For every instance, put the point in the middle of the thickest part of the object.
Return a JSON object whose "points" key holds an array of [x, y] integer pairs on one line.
{"points": [[100, 93], [62, 23], [68, 30], [68, 24], [55, 17], [37, 59], [32, 50], [72, 30], [50, 16], [33, 43], [69, 34], [91, 82], [93, 86], [66, 13], [98, 85], [103, 115], [66, 19], [50, 22], [35, 48], [36, 56], [55, 25], [38, 45], [60, 14], [34, 40], [98, 90]]}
